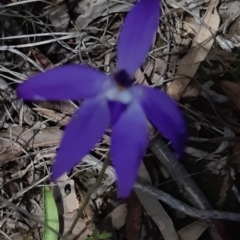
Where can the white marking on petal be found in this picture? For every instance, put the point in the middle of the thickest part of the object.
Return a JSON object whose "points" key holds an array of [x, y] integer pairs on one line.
{"points": [[115, 94]]}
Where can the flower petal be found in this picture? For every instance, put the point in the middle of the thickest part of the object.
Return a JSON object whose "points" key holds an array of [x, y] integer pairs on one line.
{"points": [[129, 142], [164, 113], [82, 133], [137, 35], [62, 83], [116, 109]]}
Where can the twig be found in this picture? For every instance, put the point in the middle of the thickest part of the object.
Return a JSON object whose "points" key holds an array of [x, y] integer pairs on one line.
{"points": [[189, 188], [180, 206]]}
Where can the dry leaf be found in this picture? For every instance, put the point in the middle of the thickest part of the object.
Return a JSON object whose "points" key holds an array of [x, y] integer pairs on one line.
{"points": [[193, 231], [199, 50], [155, 210], [139, 76], [53, 115], [68, 193], [118, 216], [191, 91], [100, 8], [41, 59], [64, 107], [16, 138], [224, 190], [59, 17], [232, 90], [236, 156], [80, 229]]}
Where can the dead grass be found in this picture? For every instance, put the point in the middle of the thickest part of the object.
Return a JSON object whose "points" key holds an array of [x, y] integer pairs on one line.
{"points": [[38, 35]]}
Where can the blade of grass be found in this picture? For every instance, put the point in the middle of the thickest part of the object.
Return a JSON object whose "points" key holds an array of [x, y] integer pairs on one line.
{"points": [[50, 215]]}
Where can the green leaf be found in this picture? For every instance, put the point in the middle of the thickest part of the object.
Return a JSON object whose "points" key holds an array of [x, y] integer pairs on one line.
{"points": [[89, 238], [104, 235], [50, 215], [95, 234]]}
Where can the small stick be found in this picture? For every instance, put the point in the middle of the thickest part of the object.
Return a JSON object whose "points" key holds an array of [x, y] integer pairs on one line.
{"points": [[189, 188], [183, 207]]}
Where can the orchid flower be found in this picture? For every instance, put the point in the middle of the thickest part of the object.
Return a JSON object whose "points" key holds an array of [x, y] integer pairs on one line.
{"points": [[112, 102]]}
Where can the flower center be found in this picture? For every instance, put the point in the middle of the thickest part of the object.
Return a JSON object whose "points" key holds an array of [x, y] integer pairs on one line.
{"points": [[122, 79], [119, 95], [120, 92]]}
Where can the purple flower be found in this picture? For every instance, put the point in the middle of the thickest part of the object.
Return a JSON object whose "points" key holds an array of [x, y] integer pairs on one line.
{"points": [[112, 102]]}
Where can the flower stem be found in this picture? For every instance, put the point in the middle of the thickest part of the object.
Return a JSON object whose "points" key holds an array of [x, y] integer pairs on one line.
{"points": [[90, 191]]}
